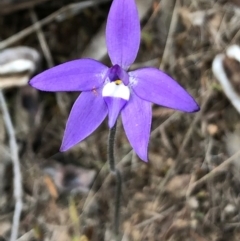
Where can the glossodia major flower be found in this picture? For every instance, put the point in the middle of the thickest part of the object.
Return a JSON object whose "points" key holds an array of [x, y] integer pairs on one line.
{"points": [[113, 91]]}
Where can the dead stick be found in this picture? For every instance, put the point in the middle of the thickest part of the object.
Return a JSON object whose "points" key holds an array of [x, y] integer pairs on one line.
{"points": [[48, 56], [169, 41], [6, 8], [41, 38], [27, 31], [16, 167], [213, 173]]}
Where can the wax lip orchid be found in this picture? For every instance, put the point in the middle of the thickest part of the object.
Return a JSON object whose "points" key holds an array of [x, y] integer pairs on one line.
{"points": [[113, 91]]}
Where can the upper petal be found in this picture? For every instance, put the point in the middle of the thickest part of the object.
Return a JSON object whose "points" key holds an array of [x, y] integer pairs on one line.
{"points": [[123, 32], [136, 118], [76, 75], [88, 112], [155, 86]]}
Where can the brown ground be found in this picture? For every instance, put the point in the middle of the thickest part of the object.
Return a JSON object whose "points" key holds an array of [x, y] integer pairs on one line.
{"points": [[161, 200]]}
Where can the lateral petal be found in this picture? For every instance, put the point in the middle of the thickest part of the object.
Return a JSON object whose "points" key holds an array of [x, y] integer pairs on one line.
{"points": [[155, 86], [88, 112], [137, 118], [76, 75], [123, 32]]}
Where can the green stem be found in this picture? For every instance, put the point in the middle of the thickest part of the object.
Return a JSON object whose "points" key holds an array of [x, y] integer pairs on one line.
{"points": [[117, 173]]}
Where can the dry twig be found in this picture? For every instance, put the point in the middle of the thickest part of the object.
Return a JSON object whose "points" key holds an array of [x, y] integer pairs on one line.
{"points": [[186, 139], [16, 167], [54, 16], [6, 8], [222, 167], [169, 41], [48, 56], [41, 38]]}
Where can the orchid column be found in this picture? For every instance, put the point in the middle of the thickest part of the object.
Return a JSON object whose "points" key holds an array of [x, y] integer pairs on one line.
{"points": [[112, 90]]}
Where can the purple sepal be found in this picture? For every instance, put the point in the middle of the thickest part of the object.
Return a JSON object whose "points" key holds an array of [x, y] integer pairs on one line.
{"points": [[137, 118], [88, 112], [155, 86], [76, 75], [123, 32]]}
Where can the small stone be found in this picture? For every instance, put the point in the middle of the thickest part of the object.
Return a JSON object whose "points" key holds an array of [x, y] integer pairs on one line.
{"points": [[178, 185], [193, 203], [194, 224], [229, 209], [212, 129]]}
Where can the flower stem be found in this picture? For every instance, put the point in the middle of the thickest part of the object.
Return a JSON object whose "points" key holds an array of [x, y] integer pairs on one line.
{"points": [[117, 173]]}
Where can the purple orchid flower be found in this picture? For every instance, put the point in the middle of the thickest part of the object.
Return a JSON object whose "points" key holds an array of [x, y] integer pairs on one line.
{"points": [[111, 91]]}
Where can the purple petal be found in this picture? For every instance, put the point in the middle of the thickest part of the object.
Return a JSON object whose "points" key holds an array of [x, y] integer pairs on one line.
{"points": [[136, 118], [123, 32], [155, 86], [88, 112], [76, 75], [115, 105]]}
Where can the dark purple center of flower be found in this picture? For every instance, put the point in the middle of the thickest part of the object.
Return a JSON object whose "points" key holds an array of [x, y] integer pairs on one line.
{"points": [[116, 73]]}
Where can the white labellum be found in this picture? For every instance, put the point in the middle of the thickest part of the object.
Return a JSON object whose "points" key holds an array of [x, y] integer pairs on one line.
{"points": [[117, 91]]}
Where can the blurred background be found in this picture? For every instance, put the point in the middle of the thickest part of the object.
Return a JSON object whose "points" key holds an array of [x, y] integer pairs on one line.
{"points": [[190, 188]]}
